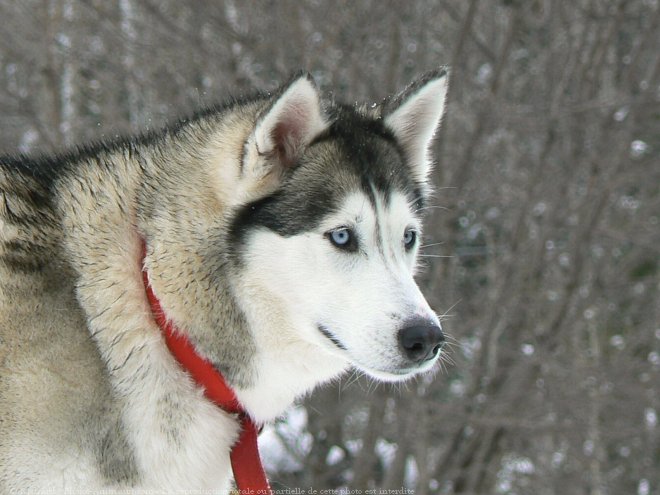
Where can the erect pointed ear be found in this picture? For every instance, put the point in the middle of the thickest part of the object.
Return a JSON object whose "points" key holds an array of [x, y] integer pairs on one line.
{"points": [[294, 117], [414, 115]]}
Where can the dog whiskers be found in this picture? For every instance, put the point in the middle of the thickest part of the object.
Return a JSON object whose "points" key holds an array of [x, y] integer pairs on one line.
{"points": [[424, 246], [432, 207]]}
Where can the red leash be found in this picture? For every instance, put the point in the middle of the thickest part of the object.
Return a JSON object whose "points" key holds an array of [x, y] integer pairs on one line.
{"points": [[245, 461]]}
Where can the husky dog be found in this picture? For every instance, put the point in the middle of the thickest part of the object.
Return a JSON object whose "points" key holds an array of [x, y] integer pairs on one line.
{"points": [[281, 233]]}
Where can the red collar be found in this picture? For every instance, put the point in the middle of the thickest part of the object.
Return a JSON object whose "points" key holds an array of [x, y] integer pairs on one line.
{"points": [[245, 461]]}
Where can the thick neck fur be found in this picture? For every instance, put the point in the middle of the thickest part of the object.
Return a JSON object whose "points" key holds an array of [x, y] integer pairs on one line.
{"points": [[97, 209], [88, 220], [183, 220], [186, 224], [167, 197], [180, 203]]}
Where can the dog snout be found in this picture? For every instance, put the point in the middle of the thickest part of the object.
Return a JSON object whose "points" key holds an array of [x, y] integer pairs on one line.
{"points": [[421, 340]]}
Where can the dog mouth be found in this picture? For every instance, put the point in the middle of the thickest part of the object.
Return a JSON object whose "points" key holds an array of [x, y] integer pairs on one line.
{"points": [[390, 374], [331, 337], [399, 374]]}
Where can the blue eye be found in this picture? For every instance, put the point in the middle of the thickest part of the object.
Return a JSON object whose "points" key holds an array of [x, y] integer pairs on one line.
{"points": [[343, 238], [409, 238], [340, 237]]}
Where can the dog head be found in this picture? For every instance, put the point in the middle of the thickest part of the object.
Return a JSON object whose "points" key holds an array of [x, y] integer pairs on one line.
{"points": [[329, 230]]}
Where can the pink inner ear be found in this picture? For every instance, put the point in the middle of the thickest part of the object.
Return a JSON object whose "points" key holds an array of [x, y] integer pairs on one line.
{"points": [[289, 133], [285, 138]]}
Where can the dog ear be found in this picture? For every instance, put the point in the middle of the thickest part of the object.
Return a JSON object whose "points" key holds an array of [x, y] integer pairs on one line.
{"points": [[294, 117], [414, 115]]}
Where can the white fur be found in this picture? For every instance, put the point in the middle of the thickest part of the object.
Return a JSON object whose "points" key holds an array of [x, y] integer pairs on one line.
{"points": [[287, 287], [292, 284], [415, 121]]}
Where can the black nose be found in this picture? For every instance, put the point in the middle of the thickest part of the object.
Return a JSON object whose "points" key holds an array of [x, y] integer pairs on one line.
{"points": [[421, 340]]}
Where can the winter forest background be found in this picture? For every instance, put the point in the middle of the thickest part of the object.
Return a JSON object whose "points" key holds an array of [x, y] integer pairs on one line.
{"points": [[542, 245]]}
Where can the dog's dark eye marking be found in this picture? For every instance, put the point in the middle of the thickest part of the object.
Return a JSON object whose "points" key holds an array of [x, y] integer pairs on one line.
{"points": [[343, 238], [409, 238]]}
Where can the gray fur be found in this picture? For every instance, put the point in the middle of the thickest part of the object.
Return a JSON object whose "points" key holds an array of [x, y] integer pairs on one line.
{"points": [[77, 343]]}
